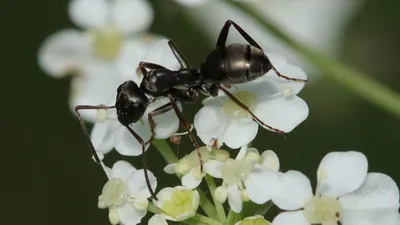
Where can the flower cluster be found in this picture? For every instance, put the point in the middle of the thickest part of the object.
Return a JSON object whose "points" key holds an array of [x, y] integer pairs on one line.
{"points": [[107, 53]]}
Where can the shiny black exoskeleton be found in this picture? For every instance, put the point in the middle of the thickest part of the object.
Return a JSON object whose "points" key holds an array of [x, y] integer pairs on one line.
{"points": [[224, 66]]}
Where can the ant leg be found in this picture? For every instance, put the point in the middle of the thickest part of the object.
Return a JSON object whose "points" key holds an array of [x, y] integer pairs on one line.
{"points": [[151, 66], [223, 36], [84, 128], [188, 129], [146, 175], [160, 110], [178, 55], [243, 106]]}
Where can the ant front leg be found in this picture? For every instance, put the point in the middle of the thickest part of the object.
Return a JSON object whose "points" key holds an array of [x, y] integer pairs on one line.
{"points": [[145, 170], [223, 36], [160, 110]]}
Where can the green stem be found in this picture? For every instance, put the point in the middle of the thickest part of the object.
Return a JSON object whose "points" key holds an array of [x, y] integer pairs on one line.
{"points": [[218, 205], [350, 78], [203, 220], [166, 151], [233, 217]]}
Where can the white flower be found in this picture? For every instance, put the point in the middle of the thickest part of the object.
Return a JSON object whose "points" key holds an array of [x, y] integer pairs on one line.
{"points": [[157, 219], [189, 166], [302, 20], [271, 98], [344, 193], [177, 203], [245, 179], [96, 55], [108, 133], [253, 220], [125, 193]]}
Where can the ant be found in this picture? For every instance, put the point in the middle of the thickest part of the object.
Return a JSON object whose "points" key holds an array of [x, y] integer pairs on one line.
{"points": [[224, 66]]}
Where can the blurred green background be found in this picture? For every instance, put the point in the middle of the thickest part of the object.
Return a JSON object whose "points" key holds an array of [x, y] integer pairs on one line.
{"points": [[63, 183]]}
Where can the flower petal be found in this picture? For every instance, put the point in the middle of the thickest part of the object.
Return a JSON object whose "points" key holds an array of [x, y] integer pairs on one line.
{"points": [[166, 123], [102, 136], [292, 72], [89, 13], [234, 198], [96, 86], [157, 219], [138, 186], [340, 173], [270, 160], [210, 122], [170, 168], [132, 53], [370, 217], [129, 215], [378, 191], [213, 168], [283, 113], [260, 185], [190, 181], [64, 52], [122, 170], [290, 218], [132, 15], [240, 132], [127, 144], [161, 54], [292, 190]]}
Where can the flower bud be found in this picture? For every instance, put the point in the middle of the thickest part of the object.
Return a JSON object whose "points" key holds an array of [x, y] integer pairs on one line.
{"points": [[221, 193]]}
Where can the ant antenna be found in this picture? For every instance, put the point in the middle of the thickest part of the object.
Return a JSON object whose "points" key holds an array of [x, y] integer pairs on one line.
{"points": [[92, 149], [243, 106]]}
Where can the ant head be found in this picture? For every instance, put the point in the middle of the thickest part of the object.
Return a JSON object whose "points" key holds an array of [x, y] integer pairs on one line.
{"points": [[131, 103]]}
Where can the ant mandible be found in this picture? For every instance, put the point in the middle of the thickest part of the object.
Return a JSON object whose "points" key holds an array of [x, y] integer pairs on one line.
{"points": [[224, 66]]}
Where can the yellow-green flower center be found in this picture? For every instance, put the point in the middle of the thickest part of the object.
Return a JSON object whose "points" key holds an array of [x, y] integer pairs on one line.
{"points": [[233, 110], [107, 42], [180, 203], [255, 221], [234, 171], [322, 210], [115, 192]]}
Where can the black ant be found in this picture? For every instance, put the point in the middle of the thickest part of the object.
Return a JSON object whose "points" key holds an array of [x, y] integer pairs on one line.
{"points": [[224, 66]]}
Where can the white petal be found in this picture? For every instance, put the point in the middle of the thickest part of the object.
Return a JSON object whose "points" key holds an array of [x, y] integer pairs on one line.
{"points": [[290, 218], [161, 54], [132, 53], [262, 89], [292, 72], [89, 13], [260, 185], [64, 52], [122, 170], [166, 123], [213, 168], [341, 173], [157, 219], [270, 160], [192, 3], [132, 15], [127, 144], [190, 181], [292, 190], [370, 217], [170, 168], [137, 184], [210, 122], [378, 191], [282, 113], [240, 132], [165, 194], [97, 85], [129, 215], [102, 136], [234, 198]]}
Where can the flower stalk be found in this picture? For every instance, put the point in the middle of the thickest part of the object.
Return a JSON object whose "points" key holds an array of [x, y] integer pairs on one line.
{"points": [[356, 81]]}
